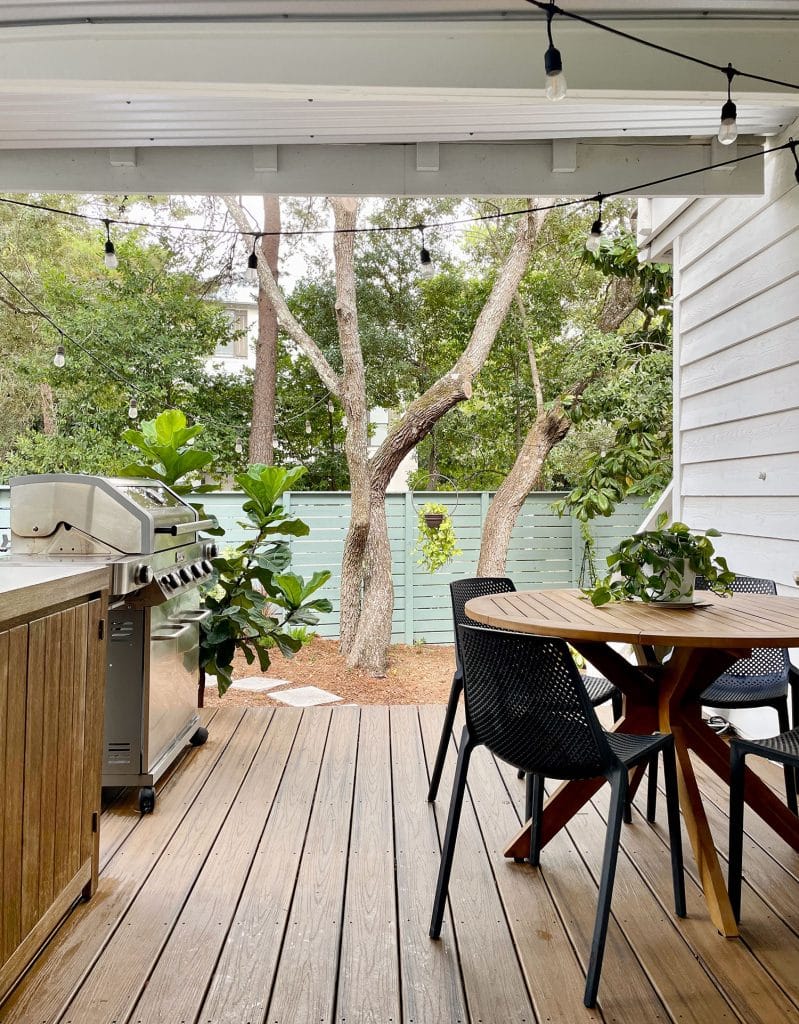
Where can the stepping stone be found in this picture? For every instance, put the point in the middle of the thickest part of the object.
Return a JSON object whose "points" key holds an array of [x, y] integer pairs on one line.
{"points": [[305, 697], [258, 684]]}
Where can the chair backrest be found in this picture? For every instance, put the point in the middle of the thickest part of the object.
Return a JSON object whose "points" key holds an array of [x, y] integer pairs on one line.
{"points": [[764, 661], [525, 701], [462, 591]]}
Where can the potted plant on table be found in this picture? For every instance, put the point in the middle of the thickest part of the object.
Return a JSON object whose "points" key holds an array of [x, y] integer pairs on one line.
{"points": [[661, 566]]}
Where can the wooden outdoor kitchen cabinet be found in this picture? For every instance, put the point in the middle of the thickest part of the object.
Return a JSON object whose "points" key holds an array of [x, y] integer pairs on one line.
{"points": [[52, 683]]}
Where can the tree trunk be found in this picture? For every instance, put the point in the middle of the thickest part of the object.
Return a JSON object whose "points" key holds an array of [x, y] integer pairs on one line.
{"points": [[548, 430], [49, 422], [262, 426], [369, 649], [353, 397]]}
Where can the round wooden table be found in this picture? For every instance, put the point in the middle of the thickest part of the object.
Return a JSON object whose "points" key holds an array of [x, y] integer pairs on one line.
{"points": [[660, 694]]}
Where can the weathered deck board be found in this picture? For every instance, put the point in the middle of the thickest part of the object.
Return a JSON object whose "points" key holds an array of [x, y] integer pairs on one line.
{"points": [[287, 877]]}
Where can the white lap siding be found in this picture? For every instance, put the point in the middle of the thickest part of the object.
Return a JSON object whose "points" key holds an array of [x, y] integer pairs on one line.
{"points": [[736, 377]]}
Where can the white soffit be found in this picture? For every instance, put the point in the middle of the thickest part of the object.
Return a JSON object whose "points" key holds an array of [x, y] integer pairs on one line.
{"points": [[160, 76]]}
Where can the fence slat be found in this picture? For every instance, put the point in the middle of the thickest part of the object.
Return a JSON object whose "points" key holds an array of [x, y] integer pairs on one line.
{"points": [[545, 551]]}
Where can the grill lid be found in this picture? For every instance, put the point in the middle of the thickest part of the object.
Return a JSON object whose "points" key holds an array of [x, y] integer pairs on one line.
{"points": [[72, 512]]}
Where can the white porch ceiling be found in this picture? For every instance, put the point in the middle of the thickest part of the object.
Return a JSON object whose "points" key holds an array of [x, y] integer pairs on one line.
{"points": [[79, 78]]}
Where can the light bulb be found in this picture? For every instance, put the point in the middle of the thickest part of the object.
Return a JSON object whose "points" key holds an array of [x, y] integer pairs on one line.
{"points": [[555, 85], [110, 258], [60, 357], [426, 264], [307, 426], [728, 130], [238, 447], [133, 409], [594, 239], [251, 274], [331, 407]]}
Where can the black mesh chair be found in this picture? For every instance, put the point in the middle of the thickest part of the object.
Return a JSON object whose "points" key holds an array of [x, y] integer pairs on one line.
{"points": [[599, 689], [762, 680], [525, 701], [785, 750]]}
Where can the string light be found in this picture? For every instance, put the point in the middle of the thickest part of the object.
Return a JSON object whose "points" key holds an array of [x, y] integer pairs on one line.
{"points": [[426, 264], [307, 426], [330, 406], [238, 447], [553, 65], [594, 239], [110, 258], [251, 274], [728, 129], [60, 357], [133, 409]]}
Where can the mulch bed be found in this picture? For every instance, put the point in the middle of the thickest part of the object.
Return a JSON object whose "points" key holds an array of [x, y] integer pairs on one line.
{"points": [[417, 674]]}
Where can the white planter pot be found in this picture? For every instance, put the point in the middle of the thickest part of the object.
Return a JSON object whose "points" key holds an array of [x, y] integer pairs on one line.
{"points": [[686, 591]]}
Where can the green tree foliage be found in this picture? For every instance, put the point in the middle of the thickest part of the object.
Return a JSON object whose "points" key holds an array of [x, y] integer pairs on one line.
{"points": [[150, 320]]}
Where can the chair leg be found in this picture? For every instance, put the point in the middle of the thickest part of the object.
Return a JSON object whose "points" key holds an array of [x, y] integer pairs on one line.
{"points": [[652, 789], [790, 774], [675, 836], [520, 773], [443, 743], [794, 687], [618, 799], [534, 804], [617, 703], [448, 849], [736, 844]]}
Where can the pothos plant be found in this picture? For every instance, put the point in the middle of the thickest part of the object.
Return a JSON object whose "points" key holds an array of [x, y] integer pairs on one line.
{"points": [[257, 604], [652, 566], [436, 542]]}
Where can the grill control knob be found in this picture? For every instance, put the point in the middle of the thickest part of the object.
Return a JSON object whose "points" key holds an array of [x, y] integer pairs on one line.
{"points": [[143, 574], [196, 571], [211, 550], [206, 567], [185, 575], [172, 579], [166, 582]]}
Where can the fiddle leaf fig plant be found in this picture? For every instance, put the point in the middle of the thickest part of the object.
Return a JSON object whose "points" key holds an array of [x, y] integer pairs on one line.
{"points": [[257, 604], [660, 565], [436, 543]]}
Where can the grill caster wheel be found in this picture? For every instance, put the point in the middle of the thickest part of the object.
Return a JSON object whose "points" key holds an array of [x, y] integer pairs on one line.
{"points": [[147, 800], [199, 737]]}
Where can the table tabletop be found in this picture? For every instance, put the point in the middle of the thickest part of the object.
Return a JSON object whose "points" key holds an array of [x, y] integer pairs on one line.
{"points": [[740, 621]]}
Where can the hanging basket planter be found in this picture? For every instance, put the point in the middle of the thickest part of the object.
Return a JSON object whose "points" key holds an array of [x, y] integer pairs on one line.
{"points": [[433, 520]]}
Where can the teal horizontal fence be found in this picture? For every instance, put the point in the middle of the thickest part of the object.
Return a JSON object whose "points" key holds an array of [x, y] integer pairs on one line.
{"points": [[545, 550]]}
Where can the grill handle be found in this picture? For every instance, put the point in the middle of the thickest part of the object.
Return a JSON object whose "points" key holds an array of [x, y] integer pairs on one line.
{"points": [[201, 615], [173, 634], [192, 527]]}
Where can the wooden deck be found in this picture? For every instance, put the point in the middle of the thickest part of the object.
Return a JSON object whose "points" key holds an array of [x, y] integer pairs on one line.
{"points": [[287, 875]]}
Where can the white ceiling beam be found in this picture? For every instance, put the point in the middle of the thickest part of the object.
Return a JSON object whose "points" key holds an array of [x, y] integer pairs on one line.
{"points": [[402, 58], [427, 156], [564, 156], [514, 169], [264, 159], [122, 157]]}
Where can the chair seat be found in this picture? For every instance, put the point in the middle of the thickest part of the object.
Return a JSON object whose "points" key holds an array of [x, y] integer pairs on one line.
{"points": [[731, 691], [631, 748], [784, 747], [599, 689]]}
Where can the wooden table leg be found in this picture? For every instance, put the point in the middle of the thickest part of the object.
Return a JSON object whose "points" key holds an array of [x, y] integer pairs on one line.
{"points": [[763, 801], [681, 671]]}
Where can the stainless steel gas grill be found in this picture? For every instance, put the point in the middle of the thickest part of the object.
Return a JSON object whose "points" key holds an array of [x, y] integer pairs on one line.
{"points": [[149, 536]]}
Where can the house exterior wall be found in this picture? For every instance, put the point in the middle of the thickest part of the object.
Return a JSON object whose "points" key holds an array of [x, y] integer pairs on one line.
{"points": [[736, 375]]}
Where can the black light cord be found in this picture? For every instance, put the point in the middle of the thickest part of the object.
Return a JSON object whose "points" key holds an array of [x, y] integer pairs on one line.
{"points": [[109, 369], [551, 8]]}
